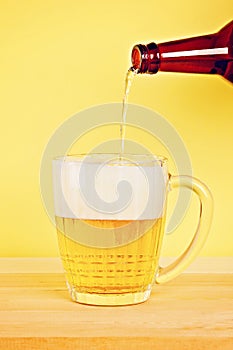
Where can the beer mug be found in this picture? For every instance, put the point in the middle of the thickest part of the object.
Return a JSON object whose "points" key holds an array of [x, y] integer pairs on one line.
{"points": [[110, 213]]}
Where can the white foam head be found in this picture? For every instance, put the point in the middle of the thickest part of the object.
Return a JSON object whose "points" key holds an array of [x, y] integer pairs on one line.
{"points": [[101, 188]]}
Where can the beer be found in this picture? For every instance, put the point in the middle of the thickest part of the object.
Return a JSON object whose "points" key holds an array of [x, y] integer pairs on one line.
{"points": [[110, 221], [122, 269], [128, 81]]}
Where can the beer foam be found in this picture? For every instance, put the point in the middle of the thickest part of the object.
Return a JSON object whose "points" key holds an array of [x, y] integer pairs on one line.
{"points": [[105, 191]]}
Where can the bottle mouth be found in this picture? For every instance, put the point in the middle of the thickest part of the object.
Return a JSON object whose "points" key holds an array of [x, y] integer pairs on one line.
{"points": [[145, 58], [136, 58]]}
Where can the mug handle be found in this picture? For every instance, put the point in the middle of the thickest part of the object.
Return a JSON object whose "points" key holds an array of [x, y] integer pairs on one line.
{"points": [[169, 272]]}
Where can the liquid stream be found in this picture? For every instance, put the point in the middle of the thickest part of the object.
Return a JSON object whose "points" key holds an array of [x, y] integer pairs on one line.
{"points": [[128, 82]]}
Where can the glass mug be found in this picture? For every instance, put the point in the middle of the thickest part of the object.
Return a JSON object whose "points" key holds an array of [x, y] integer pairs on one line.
{"points": [[110, 213]]}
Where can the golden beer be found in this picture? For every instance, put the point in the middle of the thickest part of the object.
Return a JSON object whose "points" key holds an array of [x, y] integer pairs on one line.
{"points": [[123, 269], [110, 216]]}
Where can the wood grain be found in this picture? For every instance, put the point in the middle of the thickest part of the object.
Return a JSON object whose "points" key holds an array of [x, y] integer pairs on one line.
{"points": [[195, 311]]}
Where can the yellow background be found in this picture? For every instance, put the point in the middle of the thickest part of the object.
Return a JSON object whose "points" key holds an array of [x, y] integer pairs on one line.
{"points": [[60, 57]]}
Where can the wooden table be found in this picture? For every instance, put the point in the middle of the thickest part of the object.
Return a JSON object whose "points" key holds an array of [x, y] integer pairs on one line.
{"points": [[195, 311]]}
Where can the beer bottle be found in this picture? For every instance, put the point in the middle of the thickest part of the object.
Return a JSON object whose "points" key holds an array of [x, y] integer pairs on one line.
{"points": [[208, 54]]}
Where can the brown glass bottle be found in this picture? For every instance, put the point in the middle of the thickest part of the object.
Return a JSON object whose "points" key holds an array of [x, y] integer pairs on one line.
{"points": [[208, 54]]}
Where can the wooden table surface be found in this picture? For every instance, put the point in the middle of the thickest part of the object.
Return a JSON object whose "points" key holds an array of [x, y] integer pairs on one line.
{"points": [[195, 311]]}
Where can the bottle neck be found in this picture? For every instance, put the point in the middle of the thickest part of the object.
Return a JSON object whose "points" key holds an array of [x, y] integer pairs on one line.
{"points": [[211, 54], [194, 55], [146, 58]]}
